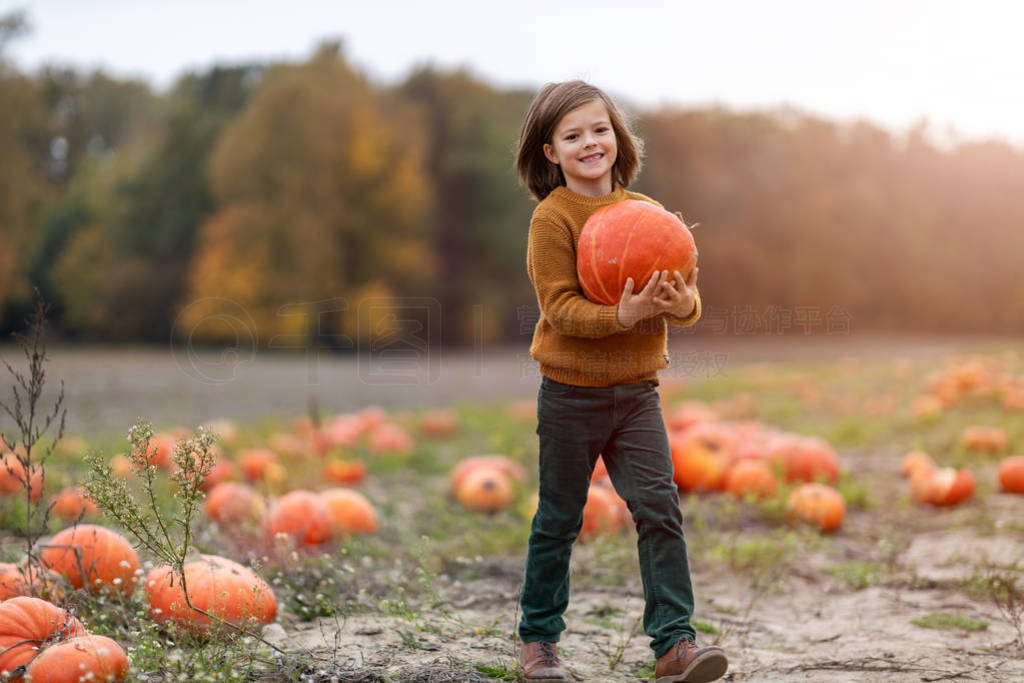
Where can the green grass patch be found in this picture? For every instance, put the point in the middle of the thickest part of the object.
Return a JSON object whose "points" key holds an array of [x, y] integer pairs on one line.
{"points": [[948, 621], [704, 627], [857, 575]]}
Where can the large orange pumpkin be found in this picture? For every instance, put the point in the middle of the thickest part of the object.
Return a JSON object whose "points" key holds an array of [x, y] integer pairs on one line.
{"points": [[302, 516], [353, 513], [235, 503], [82, 658], [700, 456], [1011, 474], [216, 585], [92, 556], [257, 463], [630, 239], [28, 624], [817, 504]]}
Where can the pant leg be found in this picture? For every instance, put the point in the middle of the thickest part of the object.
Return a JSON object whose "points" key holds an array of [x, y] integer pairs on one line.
{"points": [[572, 424], [639, 464]]}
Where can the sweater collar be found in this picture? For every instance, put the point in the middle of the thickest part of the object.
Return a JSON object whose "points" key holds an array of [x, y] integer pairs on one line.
{"points": [[564, 193]]}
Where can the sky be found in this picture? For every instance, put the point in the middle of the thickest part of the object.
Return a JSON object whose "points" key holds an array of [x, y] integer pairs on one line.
{"points": [[893, 62]]}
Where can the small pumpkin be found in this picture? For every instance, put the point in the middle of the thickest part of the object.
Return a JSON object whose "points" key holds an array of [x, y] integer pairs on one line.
{"points": [[12, 477], [602, 513], [512, 469], [390, 438], [751, 477], [235, 503], [216, 585], [93, 557], [700, 456], [256, 463], [984, 438], [485, 489], [816, 504], [344, 471], [439, 423], [161, 450], [943, 487], [806, 458], [73, 503], [82, 658], [302, 516], [916, 461], [28, 624], [352, 512], [1011, 474]]}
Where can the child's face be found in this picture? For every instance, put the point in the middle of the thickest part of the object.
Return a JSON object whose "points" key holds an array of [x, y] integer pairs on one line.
{"points": [[584, 145]]}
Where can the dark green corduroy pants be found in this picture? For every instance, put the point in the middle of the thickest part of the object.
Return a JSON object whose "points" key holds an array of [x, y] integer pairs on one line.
{"points": [[623, 424]]}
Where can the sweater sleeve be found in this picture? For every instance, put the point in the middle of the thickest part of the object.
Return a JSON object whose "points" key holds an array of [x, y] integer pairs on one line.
{"points": [[551, 265]]}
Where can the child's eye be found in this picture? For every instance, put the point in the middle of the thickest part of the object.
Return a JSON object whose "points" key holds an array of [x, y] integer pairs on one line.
{"points": [[571, 136]]}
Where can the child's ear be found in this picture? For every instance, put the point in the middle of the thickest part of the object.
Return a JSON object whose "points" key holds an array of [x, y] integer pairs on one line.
{"points": [[549, 152]]}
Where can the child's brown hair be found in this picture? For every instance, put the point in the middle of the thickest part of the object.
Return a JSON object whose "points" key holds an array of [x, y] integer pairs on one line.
{"points": [[554, 101]]}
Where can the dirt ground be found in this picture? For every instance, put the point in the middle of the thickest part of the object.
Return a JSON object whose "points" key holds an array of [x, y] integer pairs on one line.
{"points": [[795, 621]]}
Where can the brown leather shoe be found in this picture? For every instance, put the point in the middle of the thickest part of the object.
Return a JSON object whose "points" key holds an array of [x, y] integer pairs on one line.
{"points": [[687, 663], [539, 662]]}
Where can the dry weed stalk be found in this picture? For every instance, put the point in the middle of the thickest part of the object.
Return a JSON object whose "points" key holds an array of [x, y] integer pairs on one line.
{"points": [[31, 423]]}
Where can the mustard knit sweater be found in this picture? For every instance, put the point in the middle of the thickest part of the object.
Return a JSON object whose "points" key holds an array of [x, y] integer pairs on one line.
{"points": [[577, 341]]}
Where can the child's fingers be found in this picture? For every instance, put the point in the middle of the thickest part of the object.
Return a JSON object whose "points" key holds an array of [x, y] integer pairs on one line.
{"points": [[628, 289], [692, 280], [654, 283]]}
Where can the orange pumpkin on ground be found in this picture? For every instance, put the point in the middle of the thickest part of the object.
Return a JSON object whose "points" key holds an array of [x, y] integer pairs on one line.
{"points": [[235, 503], [603, 512], [73, 503], [630, 239], [344, 471], [818, 505], [93, 557], [750, 477], [216, 585], [805, 458], [687, 414], [390, 438], [600, 477], [984, 438], [353, 513], [943, 487], [916, 461], [439, 423], [161, 450], [82, 658], [302, 516], [513, 470], [371, 417], [121, 466], [14, 580], [1011, 474], [699, 462], [26, 625], [256, 463], [485, 489], [12, 474]]}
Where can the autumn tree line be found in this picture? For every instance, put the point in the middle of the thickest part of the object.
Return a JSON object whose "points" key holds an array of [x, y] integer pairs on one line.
{"points": [[304, 203]]}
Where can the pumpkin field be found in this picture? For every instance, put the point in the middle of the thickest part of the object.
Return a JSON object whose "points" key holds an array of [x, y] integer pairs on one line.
{"points": [[850, 519]]}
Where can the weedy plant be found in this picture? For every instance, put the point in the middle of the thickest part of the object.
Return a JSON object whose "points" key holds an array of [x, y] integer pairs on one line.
{"points": [[26, 461], [167, 535]]}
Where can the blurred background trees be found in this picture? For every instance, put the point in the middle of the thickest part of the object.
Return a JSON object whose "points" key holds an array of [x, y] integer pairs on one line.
{"points": [[297, 191]]}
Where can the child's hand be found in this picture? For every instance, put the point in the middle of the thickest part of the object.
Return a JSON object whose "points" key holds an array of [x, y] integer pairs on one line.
{"points": [[636, 307], [677, 297]]}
